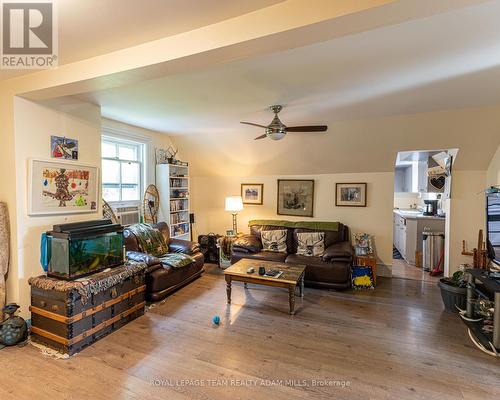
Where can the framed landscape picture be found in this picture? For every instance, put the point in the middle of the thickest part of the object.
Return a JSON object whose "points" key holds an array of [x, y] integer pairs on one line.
{"points": [[350, 194], [58, 187], [296, 197], [252, 193]]}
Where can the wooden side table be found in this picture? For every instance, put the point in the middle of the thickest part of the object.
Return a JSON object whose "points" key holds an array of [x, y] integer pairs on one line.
{"points": [[368, 261]]}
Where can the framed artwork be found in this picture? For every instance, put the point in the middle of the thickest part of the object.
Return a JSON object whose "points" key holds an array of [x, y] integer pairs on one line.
{"points": [[363, 244], [60, 187], [63, 148], [252, 193], [350, 194], [296, 197]]}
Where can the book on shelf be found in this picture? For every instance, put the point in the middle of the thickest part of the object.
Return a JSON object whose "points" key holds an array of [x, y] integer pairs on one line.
{"points": [[178, 205]]}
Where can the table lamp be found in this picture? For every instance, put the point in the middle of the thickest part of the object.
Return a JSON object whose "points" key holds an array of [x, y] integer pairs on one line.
{"points": [[233, 205]]}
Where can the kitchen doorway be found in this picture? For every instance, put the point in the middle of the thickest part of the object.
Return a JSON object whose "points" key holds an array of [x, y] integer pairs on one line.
{"points": [[421, 184]]}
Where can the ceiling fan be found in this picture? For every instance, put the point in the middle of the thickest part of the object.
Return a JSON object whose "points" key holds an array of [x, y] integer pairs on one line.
{"points": [[277, 130]]}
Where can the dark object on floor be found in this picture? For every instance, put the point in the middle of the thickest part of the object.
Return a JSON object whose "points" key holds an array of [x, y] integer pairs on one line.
{"points": [[208, 246], [13, 330], [453, 294], [62, 320], [162, 279], [483, 332], [330, 270], [362, 277], [83, 248], [396, 255]]}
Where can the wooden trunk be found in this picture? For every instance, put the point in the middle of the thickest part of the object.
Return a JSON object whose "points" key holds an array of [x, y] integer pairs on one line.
{"points": [[61, 321]]}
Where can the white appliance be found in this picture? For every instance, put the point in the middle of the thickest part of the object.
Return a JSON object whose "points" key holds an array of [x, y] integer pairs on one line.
{"points": [[128, 215]]}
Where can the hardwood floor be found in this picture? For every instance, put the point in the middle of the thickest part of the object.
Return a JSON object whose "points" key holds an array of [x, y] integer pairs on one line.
{"points": [[391, 343], [401, 269]]}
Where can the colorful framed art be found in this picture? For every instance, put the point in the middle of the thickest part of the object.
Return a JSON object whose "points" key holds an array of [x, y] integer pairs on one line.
{"points": [[61, 187], [63, 148], [252, 193]]}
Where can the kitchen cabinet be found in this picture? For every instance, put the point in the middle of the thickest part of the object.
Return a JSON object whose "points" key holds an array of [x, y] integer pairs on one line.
{"points": [[403, 179], [411, 178], [407, 232]]}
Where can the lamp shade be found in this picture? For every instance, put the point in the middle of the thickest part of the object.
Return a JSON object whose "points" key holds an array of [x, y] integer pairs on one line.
{"points": [[234, 203]]}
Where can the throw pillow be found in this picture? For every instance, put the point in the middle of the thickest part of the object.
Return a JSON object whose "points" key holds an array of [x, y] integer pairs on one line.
{"points": [[274, 240], [311, 244]]}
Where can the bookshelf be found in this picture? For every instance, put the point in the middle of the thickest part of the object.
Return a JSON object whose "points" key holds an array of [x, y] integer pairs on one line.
{"points": [[172, 181]]}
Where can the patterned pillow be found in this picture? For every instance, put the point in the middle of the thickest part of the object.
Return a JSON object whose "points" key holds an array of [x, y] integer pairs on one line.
{"points": [[274, 240], [311, 244]]}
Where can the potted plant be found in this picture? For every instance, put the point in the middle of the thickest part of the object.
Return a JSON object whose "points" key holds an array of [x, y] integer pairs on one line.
{"points": [[454, 292]]}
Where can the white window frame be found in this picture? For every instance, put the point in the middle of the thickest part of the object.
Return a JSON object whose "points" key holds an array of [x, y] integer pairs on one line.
{"points": [[144, 147]]}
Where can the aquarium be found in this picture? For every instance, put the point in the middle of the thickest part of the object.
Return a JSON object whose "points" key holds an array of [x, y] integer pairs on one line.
{"points": [[84, 248]]}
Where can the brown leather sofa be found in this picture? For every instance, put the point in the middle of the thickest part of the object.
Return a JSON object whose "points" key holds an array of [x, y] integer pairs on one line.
{"points": [[331, 270], [161, 279]]}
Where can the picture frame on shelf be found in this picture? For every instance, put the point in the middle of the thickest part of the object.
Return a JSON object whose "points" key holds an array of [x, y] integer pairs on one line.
{"points": [[363, 245], [62, 187], [252, 193], [295, 197], [350, 194]]}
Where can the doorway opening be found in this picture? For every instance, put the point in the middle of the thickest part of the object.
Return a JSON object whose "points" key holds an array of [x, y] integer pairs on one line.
{"points": [[422, 184]]}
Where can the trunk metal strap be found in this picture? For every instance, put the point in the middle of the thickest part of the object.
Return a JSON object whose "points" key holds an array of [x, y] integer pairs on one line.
{"points": [[97, 328], [90, 311]]}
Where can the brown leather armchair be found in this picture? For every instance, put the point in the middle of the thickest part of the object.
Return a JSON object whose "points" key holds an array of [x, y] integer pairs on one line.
{"points": [[161, 279]]}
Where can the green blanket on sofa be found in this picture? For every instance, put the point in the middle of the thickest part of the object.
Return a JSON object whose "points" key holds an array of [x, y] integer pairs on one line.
{"points": [[176, 260], [151, 241], [315, 225]]}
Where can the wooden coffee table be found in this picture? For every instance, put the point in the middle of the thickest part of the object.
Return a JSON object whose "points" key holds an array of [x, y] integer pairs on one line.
{"points": [[293, 276]]}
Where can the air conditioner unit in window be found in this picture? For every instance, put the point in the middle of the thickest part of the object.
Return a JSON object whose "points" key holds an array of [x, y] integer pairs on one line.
{"points": [[128, 215]]}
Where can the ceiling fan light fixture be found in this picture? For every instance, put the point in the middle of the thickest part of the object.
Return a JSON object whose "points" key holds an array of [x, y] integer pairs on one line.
{"points": [[275, 134]]}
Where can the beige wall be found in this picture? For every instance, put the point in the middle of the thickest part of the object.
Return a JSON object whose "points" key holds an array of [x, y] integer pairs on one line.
{"points": [[208, 195], [34, 124], [467, 214], [466, 209], [493, 173]]}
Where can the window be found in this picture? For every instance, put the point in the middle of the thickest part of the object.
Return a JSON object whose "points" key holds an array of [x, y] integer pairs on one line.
{"points": [[122, 169]]}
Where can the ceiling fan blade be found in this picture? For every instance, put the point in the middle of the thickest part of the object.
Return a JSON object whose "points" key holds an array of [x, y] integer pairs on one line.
{"points": [[312, 128], [251, 123], [260, 137]]}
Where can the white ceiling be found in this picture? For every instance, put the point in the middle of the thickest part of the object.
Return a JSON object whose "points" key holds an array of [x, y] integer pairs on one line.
{"points": [[88, 28], [446, 61]]}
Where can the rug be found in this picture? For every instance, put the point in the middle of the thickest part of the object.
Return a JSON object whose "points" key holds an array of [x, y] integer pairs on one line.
{"points": [[396, 255]]}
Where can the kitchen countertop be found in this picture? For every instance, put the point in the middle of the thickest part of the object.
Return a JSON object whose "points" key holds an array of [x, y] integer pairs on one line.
{"points": [[412, 214]]}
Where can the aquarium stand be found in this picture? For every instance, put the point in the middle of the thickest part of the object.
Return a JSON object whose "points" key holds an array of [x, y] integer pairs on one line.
{"points": [[69, 316]]}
